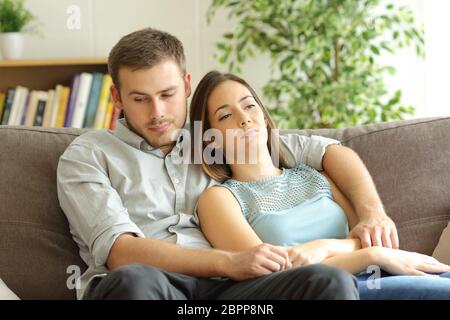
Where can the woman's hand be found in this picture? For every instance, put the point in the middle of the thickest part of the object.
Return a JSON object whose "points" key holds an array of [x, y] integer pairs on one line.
{"points": [[406, 262], [309, 253]]}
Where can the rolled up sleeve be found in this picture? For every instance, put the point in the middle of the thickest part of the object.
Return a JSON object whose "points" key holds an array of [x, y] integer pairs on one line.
{"points": [[92, 206], [300, 149]]}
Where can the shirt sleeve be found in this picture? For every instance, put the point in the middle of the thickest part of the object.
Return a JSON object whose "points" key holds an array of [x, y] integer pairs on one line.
{"points": [[92, 206], [299, 149]]}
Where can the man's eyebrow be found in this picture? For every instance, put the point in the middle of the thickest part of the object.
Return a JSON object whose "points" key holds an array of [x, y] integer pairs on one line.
{"points": [[146, 94], [227, 105], [168, 89], [137, 92]]}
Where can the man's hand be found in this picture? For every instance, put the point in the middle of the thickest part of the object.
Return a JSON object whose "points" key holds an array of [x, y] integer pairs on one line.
{"points": [[378, 231], [260, 260]]}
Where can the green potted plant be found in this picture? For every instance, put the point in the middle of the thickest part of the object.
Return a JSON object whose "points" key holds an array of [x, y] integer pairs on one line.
{"points": [[15, 19], [325, 71]]}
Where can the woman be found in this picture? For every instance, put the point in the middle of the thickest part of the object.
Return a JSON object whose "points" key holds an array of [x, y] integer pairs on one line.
{"points": [[260, 201]]}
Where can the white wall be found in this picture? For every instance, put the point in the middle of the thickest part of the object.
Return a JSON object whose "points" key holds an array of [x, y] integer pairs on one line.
{"points": [[103, 22]]}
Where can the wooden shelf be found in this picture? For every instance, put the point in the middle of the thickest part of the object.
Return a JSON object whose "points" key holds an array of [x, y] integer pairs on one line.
{"points": [[52, 62], [45, 74]]}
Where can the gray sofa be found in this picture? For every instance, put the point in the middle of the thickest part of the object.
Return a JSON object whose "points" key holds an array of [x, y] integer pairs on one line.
{"points": [[409, 161]]}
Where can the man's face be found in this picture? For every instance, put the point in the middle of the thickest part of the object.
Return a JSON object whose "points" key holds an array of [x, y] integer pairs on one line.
{"points": [[154, 101]]}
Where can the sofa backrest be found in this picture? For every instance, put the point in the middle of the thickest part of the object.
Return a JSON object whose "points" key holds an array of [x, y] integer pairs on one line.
{"points": [[408, 160]]}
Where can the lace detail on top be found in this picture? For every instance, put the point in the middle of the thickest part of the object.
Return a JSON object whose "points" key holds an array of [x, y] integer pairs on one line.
{"points": [[278, 193]]}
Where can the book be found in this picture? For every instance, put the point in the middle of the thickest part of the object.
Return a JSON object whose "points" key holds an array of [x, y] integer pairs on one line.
{"points": [[42, 102], [55, 106], [94, 98], [32, 107], [82, 100], [8, 104], [103, 102], [108, 115], [2, 104], [17, 107], [62, 108], [26, 104], [48, 109], [73, 100]]}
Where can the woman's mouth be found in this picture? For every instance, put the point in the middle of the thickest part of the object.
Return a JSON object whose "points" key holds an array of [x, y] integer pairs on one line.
{"points": [[249, 133]]}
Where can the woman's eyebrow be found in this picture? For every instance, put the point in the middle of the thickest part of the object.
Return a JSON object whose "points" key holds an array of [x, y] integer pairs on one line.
{"points": [[227, 105]]}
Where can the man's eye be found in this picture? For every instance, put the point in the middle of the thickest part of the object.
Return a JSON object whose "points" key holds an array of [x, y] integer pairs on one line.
{"points": [[224, 117], [168, 95], [139, 100]]}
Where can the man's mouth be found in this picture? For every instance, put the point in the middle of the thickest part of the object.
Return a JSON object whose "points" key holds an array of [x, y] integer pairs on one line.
{"points": [[160, 128]]}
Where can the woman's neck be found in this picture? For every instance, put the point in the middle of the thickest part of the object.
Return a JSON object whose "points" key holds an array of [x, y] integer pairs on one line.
{"points": [[263, 168]]}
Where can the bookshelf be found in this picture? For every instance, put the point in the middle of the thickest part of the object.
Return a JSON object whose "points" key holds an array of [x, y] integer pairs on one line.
{"points": [[45, 92], [45, 74]]}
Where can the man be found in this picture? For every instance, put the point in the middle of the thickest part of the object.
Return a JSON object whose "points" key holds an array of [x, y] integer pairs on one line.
{"points": [[130, 205]]}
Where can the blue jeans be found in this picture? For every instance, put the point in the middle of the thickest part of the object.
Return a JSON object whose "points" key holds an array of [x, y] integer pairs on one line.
{"points": [[397, 287]]}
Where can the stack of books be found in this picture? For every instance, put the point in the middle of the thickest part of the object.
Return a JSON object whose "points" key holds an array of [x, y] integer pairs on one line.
{"points": [[85, 104]]}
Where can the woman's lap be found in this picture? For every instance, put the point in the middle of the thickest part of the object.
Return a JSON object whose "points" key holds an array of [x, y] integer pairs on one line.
{"points": [[394, 287]]}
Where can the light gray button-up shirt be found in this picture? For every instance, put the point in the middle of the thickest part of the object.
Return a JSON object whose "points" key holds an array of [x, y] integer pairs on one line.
{"points": [[114, 182]]}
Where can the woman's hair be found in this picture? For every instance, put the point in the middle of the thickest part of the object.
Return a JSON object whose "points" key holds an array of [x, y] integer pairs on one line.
{"points": [[199, 113]]}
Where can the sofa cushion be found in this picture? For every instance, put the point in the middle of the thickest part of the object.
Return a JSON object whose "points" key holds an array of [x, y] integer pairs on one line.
{"points": [[36, 246]]}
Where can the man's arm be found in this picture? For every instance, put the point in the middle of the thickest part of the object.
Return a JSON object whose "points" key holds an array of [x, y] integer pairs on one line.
{"points": [[253, 262], [351, 176]]}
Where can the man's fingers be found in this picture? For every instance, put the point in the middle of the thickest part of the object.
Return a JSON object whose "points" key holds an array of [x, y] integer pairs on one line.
{"points": [[376, 237], [394, 238], [386, 238], [366, 242]]}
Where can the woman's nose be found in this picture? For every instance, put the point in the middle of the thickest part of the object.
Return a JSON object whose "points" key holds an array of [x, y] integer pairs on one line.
{"points": [[245, 121]]}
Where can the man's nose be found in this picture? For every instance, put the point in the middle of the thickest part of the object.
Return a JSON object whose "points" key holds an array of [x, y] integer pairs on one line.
{"points": [[157, 109]]}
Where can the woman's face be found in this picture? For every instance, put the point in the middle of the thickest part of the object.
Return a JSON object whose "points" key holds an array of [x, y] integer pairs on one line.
{"points": [[234, 112]]}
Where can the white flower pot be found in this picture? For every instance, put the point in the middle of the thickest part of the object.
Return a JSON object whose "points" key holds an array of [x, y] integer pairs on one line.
{"points": [[11, 44]]}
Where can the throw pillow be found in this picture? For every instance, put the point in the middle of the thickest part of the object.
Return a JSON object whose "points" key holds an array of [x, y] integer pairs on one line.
{"points": [[6, 293], [442, 250]]}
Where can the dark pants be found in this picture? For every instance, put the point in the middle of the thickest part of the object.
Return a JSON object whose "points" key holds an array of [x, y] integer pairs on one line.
{"points": [[142, 282]]}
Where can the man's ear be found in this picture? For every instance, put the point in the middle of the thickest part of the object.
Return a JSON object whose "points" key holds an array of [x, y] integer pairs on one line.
{"points": [[115, 95], [187, 84]]}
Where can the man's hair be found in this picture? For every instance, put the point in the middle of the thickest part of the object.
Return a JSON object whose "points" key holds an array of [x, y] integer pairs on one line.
{"points": [[144, 49]]}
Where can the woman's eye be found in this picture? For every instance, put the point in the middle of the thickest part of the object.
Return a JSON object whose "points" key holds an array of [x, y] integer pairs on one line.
{"points": [[224, 117], [250, 106]]}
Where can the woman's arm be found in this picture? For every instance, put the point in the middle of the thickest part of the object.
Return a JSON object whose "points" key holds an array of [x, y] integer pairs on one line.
{"points": [[222, 221], [393, 261]]}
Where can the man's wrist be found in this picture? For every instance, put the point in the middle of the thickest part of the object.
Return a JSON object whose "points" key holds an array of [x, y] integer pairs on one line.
{"points": [[370, 211]]}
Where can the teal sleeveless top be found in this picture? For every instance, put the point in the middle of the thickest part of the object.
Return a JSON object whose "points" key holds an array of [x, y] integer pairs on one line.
{"points": [[294, 207]]}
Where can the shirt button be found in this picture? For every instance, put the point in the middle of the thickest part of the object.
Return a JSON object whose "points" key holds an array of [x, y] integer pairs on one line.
{"points": [[176, 181]]}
